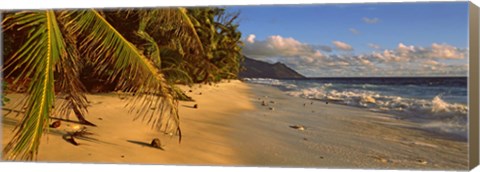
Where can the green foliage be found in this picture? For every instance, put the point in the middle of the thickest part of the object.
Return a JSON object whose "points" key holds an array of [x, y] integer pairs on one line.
{"points": [[143, 52], [5, 99]]}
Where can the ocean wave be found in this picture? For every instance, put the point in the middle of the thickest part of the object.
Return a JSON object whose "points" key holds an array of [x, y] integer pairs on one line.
{"points": [[372, 99], [432, 114], [272, 82]]}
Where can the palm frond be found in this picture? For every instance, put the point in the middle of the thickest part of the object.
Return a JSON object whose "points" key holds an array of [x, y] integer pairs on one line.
{"points": [[175, 74], [152, 49], [40, 54], [180, 94], [136, 72], [69, 74], [182, 28]]}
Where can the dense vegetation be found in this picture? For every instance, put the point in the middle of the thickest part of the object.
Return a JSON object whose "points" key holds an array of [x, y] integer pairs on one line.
{"points": [[140, 52]]}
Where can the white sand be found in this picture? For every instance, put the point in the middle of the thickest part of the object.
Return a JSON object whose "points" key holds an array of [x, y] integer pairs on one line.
{"points": [[231, 127]]}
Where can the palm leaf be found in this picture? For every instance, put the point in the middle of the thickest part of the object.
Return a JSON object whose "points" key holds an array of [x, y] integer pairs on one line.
{"points": [[136, 72], [69, 74], [183, 27], [151, 47], [43, 49]]}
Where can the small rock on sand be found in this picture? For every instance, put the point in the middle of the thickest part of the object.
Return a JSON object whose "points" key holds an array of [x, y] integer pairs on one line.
{"points": [[381, 159], [56, 124], [156, 143], [273, 102], [421, 161], [264, 103], [326, 103], [195, 106], [271, 108], [298, 127]]}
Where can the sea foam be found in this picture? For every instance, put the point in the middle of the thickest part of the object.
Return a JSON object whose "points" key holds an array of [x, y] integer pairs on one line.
{"points": [[433, 114]]}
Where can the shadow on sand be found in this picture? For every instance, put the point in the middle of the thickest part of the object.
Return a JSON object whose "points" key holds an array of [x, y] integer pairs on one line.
{"points": [[144, 144]]}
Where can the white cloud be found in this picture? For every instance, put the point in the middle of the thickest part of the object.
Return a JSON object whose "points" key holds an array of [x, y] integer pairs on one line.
{"points": [[354, 31], [446, 51], [366, 62], [278, 46], [415, 53], [430, 62], [403, 60], [374, 46], [324, 48], [251, 38], [404, 49], [370, 20], [342, 46]]}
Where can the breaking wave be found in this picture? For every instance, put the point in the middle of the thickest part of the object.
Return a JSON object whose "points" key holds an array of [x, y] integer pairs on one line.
{"points": [[433, 114]]}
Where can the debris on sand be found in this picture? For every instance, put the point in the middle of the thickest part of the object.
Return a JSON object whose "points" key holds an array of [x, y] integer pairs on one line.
{"points": [[70, 139], [156, 143], [298, 127], [80, 133], [421, 161], [56, 124], [381, 159]]}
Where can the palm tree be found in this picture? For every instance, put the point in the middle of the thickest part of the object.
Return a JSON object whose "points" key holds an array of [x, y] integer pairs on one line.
{"points": [[52, 52], [143, 52], [228, 55]]}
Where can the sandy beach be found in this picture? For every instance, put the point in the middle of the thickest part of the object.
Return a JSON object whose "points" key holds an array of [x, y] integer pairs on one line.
{"points": [[231, 127]]}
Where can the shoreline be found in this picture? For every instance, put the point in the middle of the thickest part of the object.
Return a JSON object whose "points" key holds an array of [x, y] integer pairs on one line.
{"points": [[231, 127]]}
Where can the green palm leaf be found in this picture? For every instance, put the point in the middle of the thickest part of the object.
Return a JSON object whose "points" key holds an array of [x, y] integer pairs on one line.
{"points": [[69, 74], [136, 72], [39, 56]]}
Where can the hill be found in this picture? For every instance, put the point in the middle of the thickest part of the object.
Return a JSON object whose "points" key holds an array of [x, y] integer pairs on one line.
{"points": [[259, 69]]}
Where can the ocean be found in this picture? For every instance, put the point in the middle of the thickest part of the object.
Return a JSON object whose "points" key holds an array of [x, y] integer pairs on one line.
{"points": [[437, 104]]}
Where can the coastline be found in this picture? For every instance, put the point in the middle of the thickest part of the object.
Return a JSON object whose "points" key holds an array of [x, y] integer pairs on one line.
{"points": [[231, 127]]}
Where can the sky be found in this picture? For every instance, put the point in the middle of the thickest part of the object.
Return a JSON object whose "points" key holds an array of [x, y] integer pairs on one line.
{"points": [[347, 40]]}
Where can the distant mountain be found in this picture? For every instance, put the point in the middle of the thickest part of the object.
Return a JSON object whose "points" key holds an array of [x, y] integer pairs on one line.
{"points": [[259, 69]]}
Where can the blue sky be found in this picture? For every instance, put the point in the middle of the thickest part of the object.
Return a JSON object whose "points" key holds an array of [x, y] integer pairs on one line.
{"points": [[375, 39]]}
